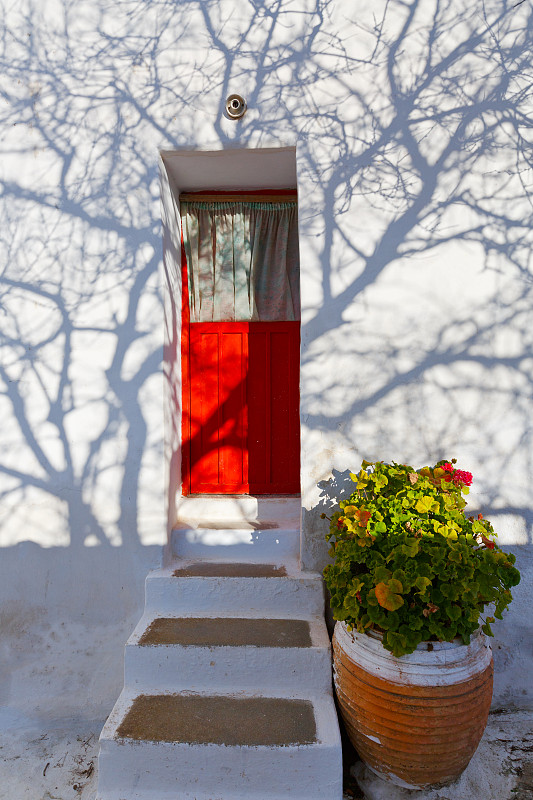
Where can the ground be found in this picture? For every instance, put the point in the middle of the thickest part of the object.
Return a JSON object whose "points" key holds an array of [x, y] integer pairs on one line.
{"points": [[59, 763], [59, 681]]}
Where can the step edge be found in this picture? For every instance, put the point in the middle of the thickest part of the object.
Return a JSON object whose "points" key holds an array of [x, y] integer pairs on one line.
{"points": [[317, 629], [166, 572], [323, 709]]}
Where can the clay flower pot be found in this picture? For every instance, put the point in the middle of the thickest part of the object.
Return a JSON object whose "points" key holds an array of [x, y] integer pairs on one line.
{"points": [[415, 720]]}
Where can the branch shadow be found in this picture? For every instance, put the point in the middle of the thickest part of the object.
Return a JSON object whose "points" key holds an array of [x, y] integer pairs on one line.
{"points": [[413, 126]]}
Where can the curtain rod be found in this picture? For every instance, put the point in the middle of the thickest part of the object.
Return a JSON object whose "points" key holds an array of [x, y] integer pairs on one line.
{"points": [[282, 196]]}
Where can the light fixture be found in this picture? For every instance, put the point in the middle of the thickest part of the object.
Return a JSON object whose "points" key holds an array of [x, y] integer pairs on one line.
{"points": [[235, 106]]}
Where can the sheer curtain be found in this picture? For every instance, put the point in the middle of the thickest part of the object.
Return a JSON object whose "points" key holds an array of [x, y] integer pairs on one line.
{"points": [[242, 260]]}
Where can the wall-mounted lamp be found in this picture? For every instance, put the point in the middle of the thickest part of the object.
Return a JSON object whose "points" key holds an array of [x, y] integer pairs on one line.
{"points": [[235, 106]]}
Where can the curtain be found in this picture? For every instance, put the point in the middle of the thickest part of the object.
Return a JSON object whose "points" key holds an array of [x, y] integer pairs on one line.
{"points": [[242, 260]]}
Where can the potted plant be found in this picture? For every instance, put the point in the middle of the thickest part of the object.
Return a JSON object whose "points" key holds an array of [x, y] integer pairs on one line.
{"points": [[410, 585]]}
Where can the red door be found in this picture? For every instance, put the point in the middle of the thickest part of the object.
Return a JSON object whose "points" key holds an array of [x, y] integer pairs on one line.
{"points": [[241, 426]]}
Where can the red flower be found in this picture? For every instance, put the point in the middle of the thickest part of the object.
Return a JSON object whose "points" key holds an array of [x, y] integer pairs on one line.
{"points": [[340, 523], [462, 477], [457, 475]]}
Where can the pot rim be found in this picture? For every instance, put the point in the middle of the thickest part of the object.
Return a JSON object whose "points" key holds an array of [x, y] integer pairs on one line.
{"points": [[451, 662]]}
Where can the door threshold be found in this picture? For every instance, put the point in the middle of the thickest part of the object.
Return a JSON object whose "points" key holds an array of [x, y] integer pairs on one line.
{"points": [[230, 511]]}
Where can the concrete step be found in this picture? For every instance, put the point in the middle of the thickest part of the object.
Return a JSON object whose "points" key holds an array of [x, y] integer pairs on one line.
{"points": [[270, 656], [204, 587], [273, 546], [228, 692], [221, 511], [220, 747]]}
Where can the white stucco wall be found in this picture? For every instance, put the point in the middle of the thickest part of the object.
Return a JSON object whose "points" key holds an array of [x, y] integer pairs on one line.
{"points": [[410, 123]]}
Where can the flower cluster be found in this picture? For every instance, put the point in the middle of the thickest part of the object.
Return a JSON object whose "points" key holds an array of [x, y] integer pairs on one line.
{"points": [[458, 476], [409, 563]]}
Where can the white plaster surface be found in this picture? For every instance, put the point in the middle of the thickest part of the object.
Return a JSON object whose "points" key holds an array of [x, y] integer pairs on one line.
{"points": [[301, 592], [57, 684], [219, 510], [180, 770], [411, 127], [39, 728], [276, 546], [137, 769], [276, 671], [50, 762]]}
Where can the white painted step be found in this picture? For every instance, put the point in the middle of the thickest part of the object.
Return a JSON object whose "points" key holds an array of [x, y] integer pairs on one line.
{"points": [[266, 669], [218, 510], [140, 769], [171, 592], [273, 546]]}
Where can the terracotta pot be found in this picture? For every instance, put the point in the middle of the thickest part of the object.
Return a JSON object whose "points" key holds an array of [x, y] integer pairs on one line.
{"points": [[416, 720]]}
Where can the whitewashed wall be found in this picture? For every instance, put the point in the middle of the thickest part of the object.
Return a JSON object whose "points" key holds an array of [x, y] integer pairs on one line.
{"points": [[412, 123]]}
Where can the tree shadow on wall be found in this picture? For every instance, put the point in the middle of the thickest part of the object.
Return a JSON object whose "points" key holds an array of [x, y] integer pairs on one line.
{"points": [[414, 136], [413, 123]]}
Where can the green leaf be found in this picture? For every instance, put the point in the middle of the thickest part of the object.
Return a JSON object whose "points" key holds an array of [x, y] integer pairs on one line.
{"points": [[399, 575], [455, 556], [382, 574], [427, 504], [340, 614], [448, 531], [396, 643], [410, 548], [453, 611], [422, 584], [371, 600], [387, 595]]}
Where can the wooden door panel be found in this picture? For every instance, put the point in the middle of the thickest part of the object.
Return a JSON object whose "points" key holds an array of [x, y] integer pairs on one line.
{"points": [[258, 408], [232, 408], [217, 364], [204, 410], [274, 421], [285, 426], [243, 400]]}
